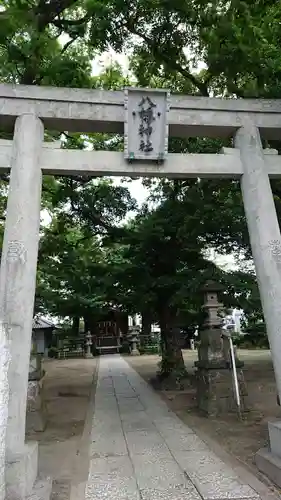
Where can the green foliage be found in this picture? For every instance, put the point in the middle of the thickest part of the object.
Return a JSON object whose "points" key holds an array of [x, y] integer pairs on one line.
{"points": [[125, 349], [149, 349], [53, 352]]}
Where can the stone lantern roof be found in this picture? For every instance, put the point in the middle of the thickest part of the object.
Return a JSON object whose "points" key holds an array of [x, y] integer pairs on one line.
{"points": [[212, 286]]}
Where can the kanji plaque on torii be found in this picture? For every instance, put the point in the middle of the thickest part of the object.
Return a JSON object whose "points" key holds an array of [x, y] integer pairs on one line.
{"points": [[146, 125]]}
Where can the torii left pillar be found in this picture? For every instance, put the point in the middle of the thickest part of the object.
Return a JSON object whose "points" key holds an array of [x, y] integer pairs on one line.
{"points": [[17, 291]]}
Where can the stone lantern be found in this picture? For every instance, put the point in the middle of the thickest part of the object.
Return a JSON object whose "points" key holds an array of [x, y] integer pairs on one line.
{"points": [[214, 375], [133, 337], [211, 303], [89, 343]]}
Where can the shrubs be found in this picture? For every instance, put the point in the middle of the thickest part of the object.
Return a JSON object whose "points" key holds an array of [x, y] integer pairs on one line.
{"points": [[255, 338], [124, 348], [95, 351], [149, 349], [53, 352]]}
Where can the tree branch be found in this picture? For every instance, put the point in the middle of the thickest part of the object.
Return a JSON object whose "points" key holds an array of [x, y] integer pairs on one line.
{"points": [[46, 13], [64, 23], [156, 51], [68, 44]]}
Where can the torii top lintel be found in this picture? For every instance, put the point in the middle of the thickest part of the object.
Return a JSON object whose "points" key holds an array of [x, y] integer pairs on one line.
{"points": [[87, 110]]}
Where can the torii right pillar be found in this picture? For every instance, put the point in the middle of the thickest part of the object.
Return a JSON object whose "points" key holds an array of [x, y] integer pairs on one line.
{"points": [[265, 241]]}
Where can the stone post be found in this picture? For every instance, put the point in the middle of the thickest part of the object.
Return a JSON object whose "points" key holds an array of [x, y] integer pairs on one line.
{"points": [[17, 289], [265, 241]]}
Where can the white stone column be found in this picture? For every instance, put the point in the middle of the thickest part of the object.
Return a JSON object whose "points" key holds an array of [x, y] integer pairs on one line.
{"points": [[264, 235], [4, 399], [18, 268]]}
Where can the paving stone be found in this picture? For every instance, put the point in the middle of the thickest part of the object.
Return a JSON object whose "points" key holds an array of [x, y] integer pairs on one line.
{"points": [[104, 396], [108, 445], [202, 463], [103, 490], [175, 493], [113, 466], [217, 486], [178, 440], [124, 390], [105, 419], [137, 421], [155, 472], [111, 479], [126, 395], [154, 411], [140, 442], [130, 405], [128, 401], [167, 423], [107, 405], [105, 429]]}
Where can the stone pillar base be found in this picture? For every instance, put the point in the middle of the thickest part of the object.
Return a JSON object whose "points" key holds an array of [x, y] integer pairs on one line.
{"points": [[135, 352], [21, 474], [269, 465], [268, 460], [215, 392], [36, 412]]}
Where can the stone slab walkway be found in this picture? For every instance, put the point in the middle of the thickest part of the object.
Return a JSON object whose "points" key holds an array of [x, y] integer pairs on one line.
{"points": [[141, 450]]}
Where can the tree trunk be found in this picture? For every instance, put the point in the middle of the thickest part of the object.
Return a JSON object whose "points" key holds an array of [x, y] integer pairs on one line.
{"points": [[146, 324], [75, 326], [172, 359], [146, 328], [90, 324]]}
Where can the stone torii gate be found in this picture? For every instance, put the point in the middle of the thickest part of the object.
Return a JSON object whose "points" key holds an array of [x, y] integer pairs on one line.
{"points": [[146, 117]]}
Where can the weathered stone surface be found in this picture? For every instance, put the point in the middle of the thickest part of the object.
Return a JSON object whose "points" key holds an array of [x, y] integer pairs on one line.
{"points": [[36, 411], [179, 492], [157, 472], [42, 489], [264, 233], [274, 429], [215, 394], [219, 487], [35, 367], [183, 440], [21, 472], [146, 441], [138, 421], [18, 266], [269, 464], [109, 444], [111, 478]]}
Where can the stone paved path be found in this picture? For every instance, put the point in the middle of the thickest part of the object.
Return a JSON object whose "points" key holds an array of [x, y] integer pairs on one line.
{"points": [[142, 451]]}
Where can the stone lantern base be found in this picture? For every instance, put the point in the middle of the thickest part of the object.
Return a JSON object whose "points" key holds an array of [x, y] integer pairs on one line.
{"points": [[214, 376], [215, 391], [135, 351]]}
